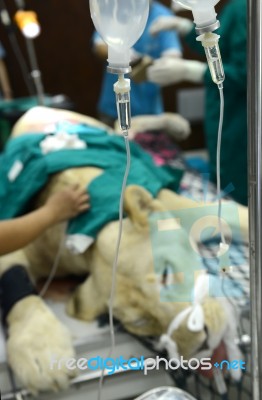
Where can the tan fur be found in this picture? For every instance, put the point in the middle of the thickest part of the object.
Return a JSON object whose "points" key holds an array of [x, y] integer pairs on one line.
{"points": [[137, 301], [35, 335]]}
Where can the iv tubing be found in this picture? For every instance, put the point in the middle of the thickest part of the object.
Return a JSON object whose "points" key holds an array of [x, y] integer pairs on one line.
{"points": [[219, 138], [55, 264], [113, 286]]}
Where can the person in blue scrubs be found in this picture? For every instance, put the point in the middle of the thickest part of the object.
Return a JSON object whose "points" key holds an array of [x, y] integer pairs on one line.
{"points": [[146, 97]]}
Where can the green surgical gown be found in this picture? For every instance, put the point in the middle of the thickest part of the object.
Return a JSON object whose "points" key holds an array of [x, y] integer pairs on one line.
{"points": [[233, 47]]}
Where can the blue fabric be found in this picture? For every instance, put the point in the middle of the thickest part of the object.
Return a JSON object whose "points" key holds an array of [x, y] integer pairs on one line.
{"points": [[145, 97], [104, 151], [198, 164]]}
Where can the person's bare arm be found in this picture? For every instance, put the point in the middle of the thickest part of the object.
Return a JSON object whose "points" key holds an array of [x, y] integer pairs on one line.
{"points": [[18, 232], [5, 82]]}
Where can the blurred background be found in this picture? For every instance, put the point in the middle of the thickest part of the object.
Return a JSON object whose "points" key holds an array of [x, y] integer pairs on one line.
{"points": [[69, 66]]}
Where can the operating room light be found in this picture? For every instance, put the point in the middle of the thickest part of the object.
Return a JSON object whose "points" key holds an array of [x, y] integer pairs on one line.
{"points": [[30, 28], [28, 23]]}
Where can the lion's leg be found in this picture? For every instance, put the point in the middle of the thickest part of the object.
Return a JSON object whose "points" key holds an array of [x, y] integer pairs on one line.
{"points": [[87, 303], [30, 346], [9, 260]]}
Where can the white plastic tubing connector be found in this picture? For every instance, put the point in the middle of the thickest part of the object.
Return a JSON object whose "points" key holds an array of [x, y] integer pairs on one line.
{"points": [[122, 85]]}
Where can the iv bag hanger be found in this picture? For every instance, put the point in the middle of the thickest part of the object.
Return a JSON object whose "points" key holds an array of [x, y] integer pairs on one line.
{"points": [[29, 26]]}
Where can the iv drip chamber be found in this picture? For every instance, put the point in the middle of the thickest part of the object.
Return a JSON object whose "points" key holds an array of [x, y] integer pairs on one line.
{"points": [[210, 43], [120, 23]]}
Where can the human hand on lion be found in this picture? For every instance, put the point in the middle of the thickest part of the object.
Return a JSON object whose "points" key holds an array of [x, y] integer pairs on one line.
{"points": [[61, 206], [67, 203]]}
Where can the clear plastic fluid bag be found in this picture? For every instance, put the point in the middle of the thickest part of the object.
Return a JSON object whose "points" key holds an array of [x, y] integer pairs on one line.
{"points": [[203, 10], [120, 23]]}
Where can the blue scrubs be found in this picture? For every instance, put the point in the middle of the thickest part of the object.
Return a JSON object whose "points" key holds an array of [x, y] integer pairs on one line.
{"points": [[145, 97]]}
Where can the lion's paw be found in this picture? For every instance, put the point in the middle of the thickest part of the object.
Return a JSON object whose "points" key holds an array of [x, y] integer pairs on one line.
{"points": [[35, 339]]}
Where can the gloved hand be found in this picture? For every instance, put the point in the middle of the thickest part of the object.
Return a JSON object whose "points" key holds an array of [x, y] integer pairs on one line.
{"points": [[173, 124], [138, 73], [176, 7], [177, 126], [182, 25], [169, 70]]}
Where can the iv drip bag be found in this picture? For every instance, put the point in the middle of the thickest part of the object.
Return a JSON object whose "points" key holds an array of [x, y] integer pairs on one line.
{"points": [[120, 23], [203, 11]]}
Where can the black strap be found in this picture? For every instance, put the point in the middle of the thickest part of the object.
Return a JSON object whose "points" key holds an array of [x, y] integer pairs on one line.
{"points": [[15, 284]]}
